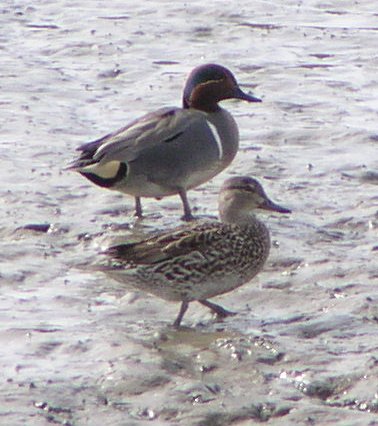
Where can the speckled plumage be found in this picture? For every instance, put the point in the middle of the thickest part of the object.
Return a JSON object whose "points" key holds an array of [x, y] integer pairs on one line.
{"points": [[202, 260]]}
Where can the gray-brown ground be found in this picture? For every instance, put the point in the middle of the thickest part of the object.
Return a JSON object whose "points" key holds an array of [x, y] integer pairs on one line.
{"points": [[75, 348]]}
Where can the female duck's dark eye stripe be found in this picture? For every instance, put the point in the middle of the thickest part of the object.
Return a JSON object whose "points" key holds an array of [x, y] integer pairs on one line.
{"points": [[242, 188]]}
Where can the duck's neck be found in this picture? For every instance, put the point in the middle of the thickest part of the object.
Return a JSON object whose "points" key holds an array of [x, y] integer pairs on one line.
{"points": [[251, 226], [204, 97], [237, 216], [203, 104]]}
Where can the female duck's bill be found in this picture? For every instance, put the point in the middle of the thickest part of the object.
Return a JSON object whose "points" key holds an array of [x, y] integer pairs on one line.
{"points": [[171, 150]]}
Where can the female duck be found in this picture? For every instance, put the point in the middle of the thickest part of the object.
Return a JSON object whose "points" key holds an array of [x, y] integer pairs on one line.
{"points": [[199, 261], [171, 150]]}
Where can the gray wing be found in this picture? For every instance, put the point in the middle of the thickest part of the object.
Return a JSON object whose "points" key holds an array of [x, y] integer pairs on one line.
{"points": [[159, 127]]}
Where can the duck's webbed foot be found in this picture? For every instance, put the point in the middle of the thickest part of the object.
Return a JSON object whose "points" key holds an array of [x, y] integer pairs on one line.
{"points": [[221, 312]]}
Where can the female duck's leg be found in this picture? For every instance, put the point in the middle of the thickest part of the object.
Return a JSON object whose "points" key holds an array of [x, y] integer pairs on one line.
{"points": [[183, 309], [221, 312]]}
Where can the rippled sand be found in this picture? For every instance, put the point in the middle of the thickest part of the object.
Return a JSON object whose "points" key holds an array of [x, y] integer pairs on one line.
{"points": [[75, 348]]}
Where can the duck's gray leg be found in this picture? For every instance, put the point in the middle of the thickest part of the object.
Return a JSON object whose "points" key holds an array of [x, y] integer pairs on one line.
{"points": [[183, 309], [187, 211], [138, 207], [221, 312]]}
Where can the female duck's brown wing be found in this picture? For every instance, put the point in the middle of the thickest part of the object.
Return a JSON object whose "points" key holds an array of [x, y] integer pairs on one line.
{"points": [[166, 246]]}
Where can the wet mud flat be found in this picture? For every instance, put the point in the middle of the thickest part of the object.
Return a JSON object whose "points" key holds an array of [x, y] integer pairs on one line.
{"points": [[76, 348]]}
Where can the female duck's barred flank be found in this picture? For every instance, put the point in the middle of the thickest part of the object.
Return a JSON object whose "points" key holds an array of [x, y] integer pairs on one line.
{"points": [[201, 260], [171, 150]]}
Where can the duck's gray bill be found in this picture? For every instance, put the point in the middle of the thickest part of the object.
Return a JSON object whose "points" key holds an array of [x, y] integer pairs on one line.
{"points": [[269, 205], [246, 97]]}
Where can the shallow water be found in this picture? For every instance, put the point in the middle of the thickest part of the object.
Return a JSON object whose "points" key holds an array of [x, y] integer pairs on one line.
{"points": [[77, 349]]}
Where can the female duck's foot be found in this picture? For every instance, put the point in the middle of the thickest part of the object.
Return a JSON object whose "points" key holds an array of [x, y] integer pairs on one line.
{"points": [[221, 312]]}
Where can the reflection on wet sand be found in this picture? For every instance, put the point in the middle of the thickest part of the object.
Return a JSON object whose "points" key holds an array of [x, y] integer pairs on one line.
{"points": [[77, 348]]}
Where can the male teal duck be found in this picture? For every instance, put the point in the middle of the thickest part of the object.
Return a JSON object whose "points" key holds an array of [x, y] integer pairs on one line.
{"points": [[201, 260], [171, 150]]}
